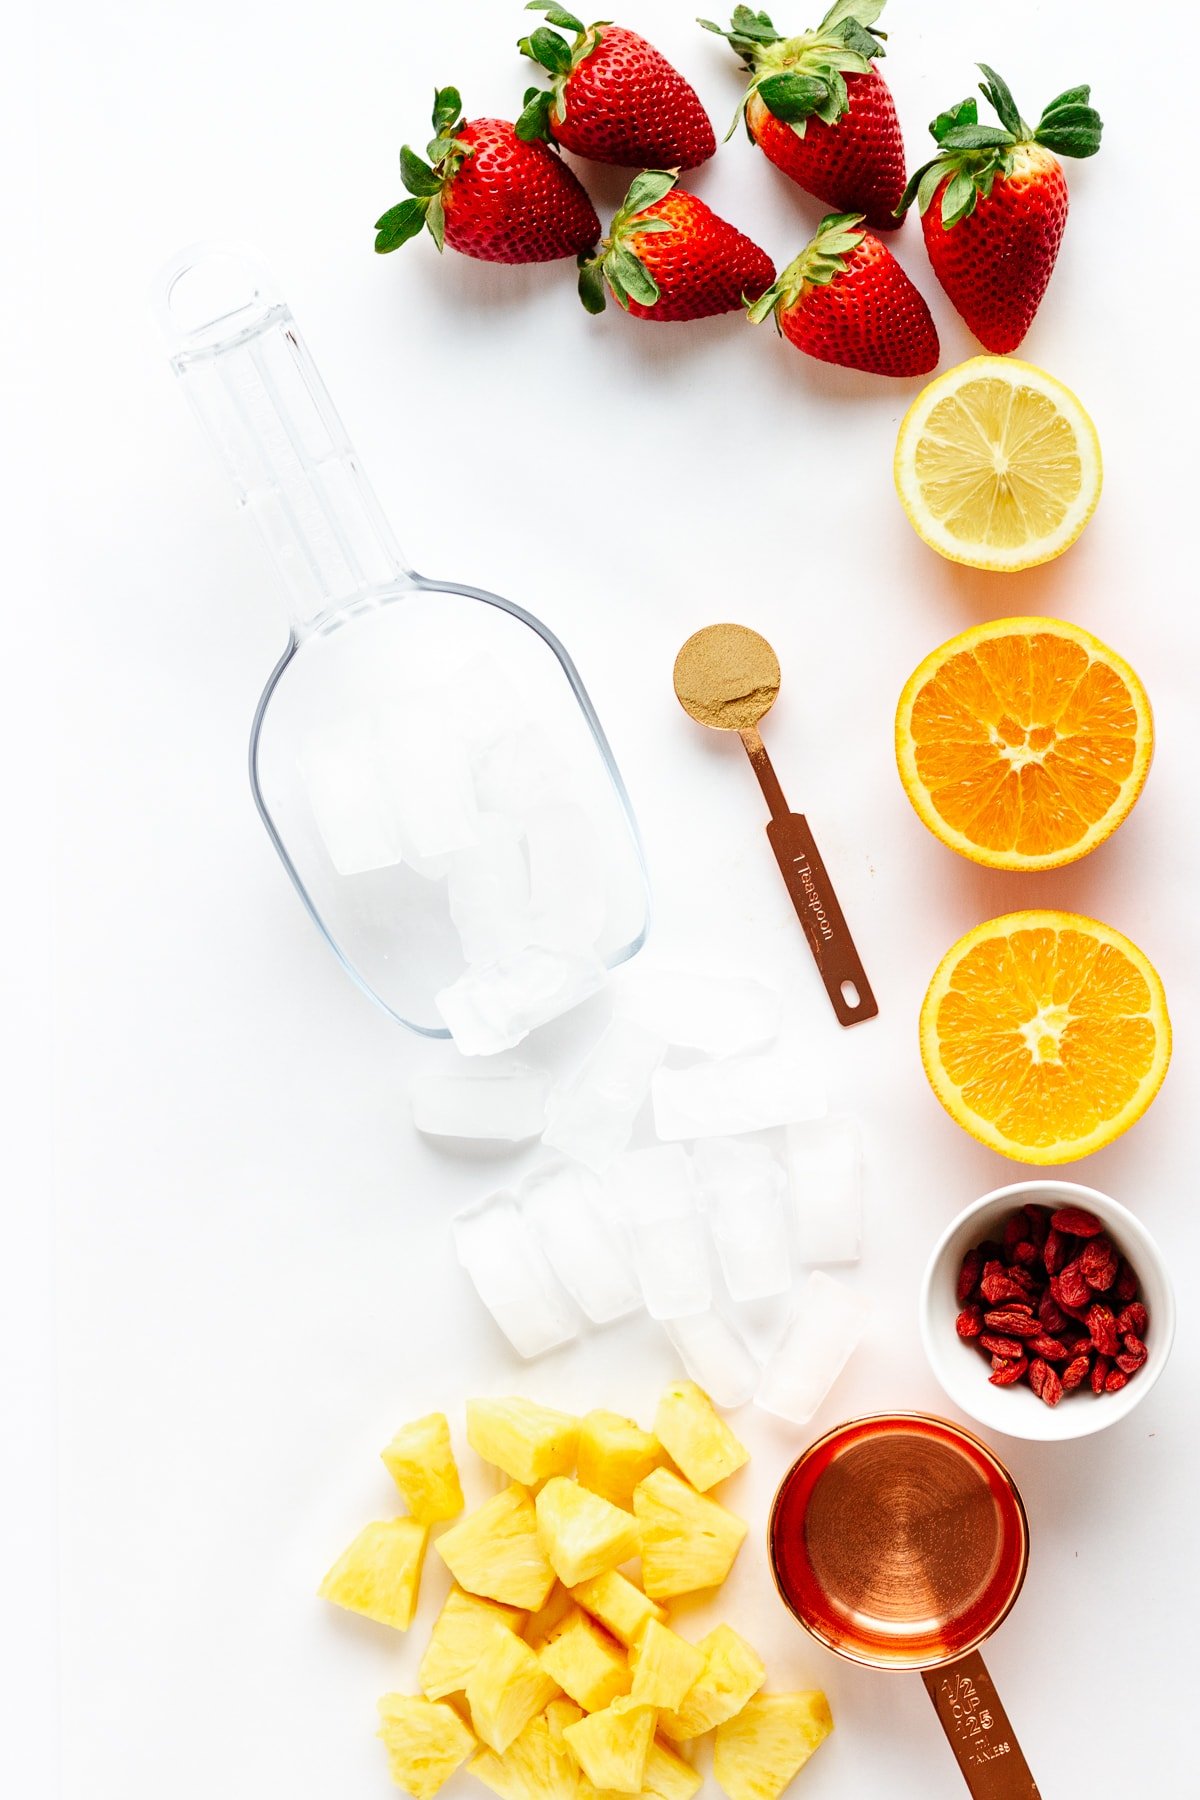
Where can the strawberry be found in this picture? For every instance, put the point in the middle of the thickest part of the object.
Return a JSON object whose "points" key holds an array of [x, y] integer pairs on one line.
{"points": [[993, 205], [489, 194], [669, 257], [820, 110], [846, 300], [613, 98]]}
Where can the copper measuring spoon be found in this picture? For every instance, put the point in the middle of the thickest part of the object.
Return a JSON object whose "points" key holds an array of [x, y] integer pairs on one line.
{"points": [[900, 1542], [727, 677]]}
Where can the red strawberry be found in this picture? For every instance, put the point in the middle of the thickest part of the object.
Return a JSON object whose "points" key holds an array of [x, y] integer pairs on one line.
{"points": [[820, 110], [846, 300], [614, 97], [668, 257], [993, 205], [489, 194]]}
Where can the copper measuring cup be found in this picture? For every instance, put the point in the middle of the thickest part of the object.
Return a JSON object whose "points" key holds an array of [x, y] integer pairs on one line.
{"points": [[900, 1542]]}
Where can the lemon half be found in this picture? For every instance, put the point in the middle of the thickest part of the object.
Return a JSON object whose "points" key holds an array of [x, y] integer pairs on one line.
{"points": [[998, 465]]}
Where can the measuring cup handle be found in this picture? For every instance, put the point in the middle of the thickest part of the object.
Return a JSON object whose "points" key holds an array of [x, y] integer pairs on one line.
{"points": [[977, 1729]]}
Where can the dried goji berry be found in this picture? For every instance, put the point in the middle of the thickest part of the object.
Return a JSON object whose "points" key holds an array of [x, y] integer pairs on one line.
{"points": [[1074, 1373], [1103, 1328], [969, 1322], [1050, 1313], [1056, 1252], [1071, 1288], [1125, 1287], [1005, 1372], [1001, 1346], [1045, 1382], [1114, 1381], [1082, 1346], [1025, 1253], [1001, 1285], [1017, 1320], [1133, 1355], [1051, 1349], [1014, 1231], [1038, 1218], [1133, 1317], [968, 1275], [1098, 1262], [1100, 1370], [1078, 1223]]}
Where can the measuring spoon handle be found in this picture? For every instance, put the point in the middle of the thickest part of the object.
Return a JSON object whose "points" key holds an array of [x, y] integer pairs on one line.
{"points": [[822, 918], [976, 1725]]}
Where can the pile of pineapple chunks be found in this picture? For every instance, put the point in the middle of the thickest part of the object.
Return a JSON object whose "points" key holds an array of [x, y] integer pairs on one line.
{"points": [[554, 1671]]}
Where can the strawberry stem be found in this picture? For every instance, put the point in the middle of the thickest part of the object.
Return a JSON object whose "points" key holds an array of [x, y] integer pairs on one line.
{"points": [[799, 78], [426, 181]]}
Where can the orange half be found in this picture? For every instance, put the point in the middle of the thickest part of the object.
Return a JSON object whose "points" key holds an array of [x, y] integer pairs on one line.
{"points": [[1045, 1035], [1023, 743]]}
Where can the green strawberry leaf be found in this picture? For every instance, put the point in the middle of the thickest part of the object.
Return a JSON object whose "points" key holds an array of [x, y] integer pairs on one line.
{"points": [[965, 113], [399, 224], [749, 33], [997, 92], [556, 15], [546, 47], [645, 189], [1070, 127], [417, 176], [793, 97], [861, 13], [837, 101], [591, 284], [533, 121], [977, 137], [435, 219], [447, 109], [959, 199], [927, 181], [1076, 96], [861, 42], [631, 276], [641, 225]]}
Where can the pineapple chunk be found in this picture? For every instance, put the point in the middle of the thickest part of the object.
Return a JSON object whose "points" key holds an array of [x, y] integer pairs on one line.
{"points": [[506, 1688], [688, 1541], [612, 1745], [619, 1606], [667, 1776], [380, 1574], [544, 1623], [529, 1442], [758, 1752], [586, 1663], [420, 1460], [425, 1742], [581, 1534], [665, 1667], [461, 1631], [614, 1455], [733, 1672], [700, 1442], [495, 1552], [538, 1764]]}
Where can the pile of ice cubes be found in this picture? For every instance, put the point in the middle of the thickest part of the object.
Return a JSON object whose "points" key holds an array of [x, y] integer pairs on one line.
{"points": [[744, 1178], [488, 811]]}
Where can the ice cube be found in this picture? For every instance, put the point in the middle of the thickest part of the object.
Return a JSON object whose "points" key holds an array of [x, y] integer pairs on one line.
{"points": [[429, 779], [507, 1106], [743, 1188], [512, 1277], [584, 1242], [817, 1343], [655, 1193], [719, 1014], [592, 1118], [495, 1005], [738, 1094], [489, 892], [825, 1175], [566, 878], [349, 799], [517, 771], [716, 1356]]}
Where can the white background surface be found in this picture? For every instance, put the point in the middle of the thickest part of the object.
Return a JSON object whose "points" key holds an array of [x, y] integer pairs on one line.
{"points": [[254, 1275]]}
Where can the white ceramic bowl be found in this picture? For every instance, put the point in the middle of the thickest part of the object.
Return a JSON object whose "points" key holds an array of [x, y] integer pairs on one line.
{"points": [[963, 1372]]}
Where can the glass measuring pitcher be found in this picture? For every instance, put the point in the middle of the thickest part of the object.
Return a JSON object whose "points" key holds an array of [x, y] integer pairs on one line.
{"points": [[413, 731]]}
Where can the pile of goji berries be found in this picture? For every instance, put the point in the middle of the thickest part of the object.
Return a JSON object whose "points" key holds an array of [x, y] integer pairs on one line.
{"points": [[1054, 1305]]}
